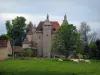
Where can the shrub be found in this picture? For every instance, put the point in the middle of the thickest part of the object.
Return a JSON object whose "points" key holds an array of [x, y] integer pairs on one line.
{"points": [[29, 52], [85, 56], [80, 56], [65, 59], [4, 37], [19, 54]]}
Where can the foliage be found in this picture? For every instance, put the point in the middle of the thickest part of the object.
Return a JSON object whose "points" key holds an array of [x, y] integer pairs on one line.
{"points": [[19, 54], [93, 37], [65, 40], [86, 56], [84, 30], [16, 30], [4, 37], [84, 33], [29, 52], [93, 49], [98, 44], [80, 56], [80, 46]]}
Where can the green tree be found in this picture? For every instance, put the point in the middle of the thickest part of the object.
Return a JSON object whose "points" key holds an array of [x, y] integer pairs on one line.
{"points": [[93, 49], [8, 28], [65, 40], [98, 47], [16, 30], [98, 44]]}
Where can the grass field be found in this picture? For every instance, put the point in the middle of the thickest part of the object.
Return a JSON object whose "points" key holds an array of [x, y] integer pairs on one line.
{"points": [[48, 67]]}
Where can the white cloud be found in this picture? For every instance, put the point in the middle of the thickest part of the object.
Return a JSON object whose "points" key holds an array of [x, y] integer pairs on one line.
{"points": [[9, 16], [35, 18]]}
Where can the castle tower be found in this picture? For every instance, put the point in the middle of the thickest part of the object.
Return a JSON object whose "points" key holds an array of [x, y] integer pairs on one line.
{"points": [[65, 20], [47, 37], [29, 35], [34, 33], [34, 28]]}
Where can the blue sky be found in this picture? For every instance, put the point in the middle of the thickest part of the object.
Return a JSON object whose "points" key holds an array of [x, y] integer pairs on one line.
{"points": [[36, 11]]}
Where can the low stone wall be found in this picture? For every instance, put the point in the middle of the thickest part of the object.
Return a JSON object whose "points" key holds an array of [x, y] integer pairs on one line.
{"points": [[3, 53]]}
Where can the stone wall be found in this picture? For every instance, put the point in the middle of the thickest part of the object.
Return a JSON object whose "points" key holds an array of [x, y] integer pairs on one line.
{"points": [[3, 53]]}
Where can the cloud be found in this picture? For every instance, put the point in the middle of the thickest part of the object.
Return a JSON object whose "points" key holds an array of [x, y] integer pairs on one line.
{"points": [[35, 18]]}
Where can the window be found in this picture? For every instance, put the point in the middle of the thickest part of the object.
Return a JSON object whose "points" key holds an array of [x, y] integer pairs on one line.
{"points": [[39, 37], [49, 25], [47, 35], [54, 29]]}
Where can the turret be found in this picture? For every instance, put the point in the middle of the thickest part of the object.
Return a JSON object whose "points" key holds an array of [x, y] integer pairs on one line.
{"points": [[30, 32], [65, 20], [34, 28]]}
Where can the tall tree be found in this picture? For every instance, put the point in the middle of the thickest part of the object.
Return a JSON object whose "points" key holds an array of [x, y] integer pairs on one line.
{"points": [[65, 40], [84, 30], [16, 30]]}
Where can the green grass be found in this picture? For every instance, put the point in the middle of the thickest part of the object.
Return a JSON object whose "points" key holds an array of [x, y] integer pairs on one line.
{"points": [[48, 67]]}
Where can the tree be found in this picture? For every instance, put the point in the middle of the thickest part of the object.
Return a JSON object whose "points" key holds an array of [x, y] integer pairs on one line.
{"points": [[84, 30], [98, 47], [16, 30], [65, 40], [93, 49], [4, 37], [84, 33], [8, 28], [98, 44], [93, 37]]}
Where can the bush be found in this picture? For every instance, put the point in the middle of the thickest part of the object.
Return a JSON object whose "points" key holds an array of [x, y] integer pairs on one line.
{"points": [[85, 56], [65, 59], [19, 54], [29, 52], [80, 56], [4, 37]]}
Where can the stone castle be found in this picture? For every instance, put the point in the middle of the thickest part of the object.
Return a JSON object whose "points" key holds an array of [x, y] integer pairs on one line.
{"points": [[41, 36]]}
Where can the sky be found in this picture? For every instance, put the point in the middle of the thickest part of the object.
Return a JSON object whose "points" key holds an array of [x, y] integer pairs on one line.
{"points": [[36, 11]]}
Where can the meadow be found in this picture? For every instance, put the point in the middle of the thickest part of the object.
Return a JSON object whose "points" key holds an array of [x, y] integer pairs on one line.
{"points": [[48, 67]]}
